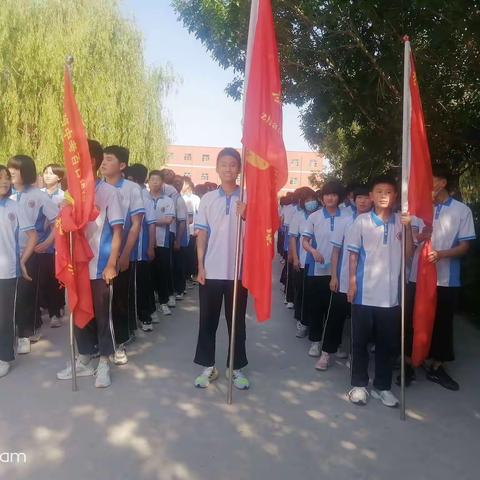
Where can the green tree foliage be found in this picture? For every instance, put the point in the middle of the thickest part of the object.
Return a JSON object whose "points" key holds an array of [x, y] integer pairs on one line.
{"points": [[342, 64], [120, 99]]}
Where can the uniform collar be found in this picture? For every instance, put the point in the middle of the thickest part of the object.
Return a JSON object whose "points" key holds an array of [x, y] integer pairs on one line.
{"points": [[327, 215], [378, 221], [222, 193], [119, 183], [3, 202], [446, 203]]}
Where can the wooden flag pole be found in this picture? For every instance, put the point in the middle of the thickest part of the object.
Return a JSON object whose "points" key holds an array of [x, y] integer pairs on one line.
{"points": [[69, 65]]}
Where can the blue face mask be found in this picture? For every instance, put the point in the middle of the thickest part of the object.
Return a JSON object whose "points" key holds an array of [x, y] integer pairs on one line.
{"points": [[311, 205]]}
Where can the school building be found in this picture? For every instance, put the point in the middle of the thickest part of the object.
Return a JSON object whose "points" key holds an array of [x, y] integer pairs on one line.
{"points": [[198, 163]]}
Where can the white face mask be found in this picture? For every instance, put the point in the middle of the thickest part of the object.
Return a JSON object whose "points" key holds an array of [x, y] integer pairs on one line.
{"points": [[311, 205]]}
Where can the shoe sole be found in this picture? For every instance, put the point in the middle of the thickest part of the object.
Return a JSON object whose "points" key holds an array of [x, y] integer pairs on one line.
{"points": [[321, 369], [102, 386], [360, 403], [313, 356], [442, 385], [84, 374]]}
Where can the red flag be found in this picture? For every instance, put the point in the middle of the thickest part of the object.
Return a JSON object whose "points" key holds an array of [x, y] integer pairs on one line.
{"points": [[417, 179], [72, 267], [266, 161]]}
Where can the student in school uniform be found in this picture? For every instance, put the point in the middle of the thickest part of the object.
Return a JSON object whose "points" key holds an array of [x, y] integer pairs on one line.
{"points": [[317, 235], [163, 212], [374, 243], [216, 224], [12, 265], [41, 212], [104, 235], [291, 208], [180, 243], [348, 204], [340, 279], [143, 254], [453, 230], [192, 201], [308, 204], [51, 294], [115, 161]]}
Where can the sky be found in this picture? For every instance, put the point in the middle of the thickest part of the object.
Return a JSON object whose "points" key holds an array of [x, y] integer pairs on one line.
{"points": [[199, 110]]}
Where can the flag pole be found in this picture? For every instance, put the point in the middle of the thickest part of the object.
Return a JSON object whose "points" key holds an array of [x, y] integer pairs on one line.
{"points": [[236, 285], [404, 200], [69, 65]]}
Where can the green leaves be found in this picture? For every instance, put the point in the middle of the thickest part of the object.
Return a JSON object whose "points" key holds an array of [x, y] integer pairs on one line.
{"points": [[120, 99], [342, 64]]}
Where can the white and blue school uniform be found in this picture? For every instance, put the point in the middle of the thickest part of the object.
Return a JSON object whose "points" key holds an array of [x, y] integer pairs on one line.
{"points": [[161, 206], [181, 215], [296, 228], [57, 198], [141, 252], [340, 240], [452, 223], [375, 310], [99, 233], [217, 215], [192, 202], [288, 213], [12, 222], [320, 228]]}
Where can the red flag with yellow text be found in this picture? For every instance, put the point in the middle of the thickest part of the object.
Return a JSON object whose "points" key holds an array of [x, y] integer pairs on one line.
{"points": [[417, 178], [72, 266], [266, 161]]}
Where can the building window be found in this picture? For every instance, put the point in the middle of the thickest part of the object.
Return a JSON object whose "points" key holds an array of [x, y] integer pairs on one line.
{"points": [[187, 174], [187, 157], [204, 176], [313, 164], [170, 157], [295, 162], [205, 158], [294, 181]]}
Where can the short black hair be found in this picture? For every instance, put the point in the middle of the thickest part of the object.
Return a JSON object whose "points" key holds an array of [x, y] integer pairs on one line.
{"points": [[388, 179], [230, 152], [138, 172], [333, 187], [3, 168], [157, 173], [442, 171], [27, 168], [122, 154], [96, 152], [360, 190], [57, 170]]}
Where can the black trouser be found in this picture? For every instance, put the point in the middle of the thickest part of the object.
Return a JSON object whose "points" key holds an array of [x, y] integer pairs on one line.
{"points": [[280, 241], [192, 264], [212, 295], [51, 294], [171, 287], [97, 335], [145, 295], [27, 310], [441, 348], [384, 325], [179, 265], [317, 296], [7, 320], [332, 337], [287, 280], [299, 300], [162, 273], [123, 306]]}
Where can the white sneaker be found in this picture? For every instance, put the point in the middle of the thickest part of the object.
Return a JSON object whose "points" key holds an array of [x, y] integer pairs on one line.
{"points": [[208, 375], [171, 301], [341, 354], [324, 362], [37, 335], [165, 310], [179, 296], [81, 369], [358, 395], [4, 368], [290, 305], [386, 397], [23, 346], [102, 376], [55, 322], [154, 317], [147, 327], [314, 349], [302, 330], [120, 357], [240, 381]]}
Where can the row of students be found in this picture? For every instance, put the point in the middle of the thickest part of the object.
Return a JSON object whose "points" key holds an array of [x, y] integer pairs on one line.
{"points": [[351, 253]]}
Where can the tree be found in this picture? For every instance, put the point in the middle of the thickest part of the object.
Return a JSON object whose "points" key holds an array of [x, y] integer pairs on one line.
{"points": [[342, 64], [120, 99]]}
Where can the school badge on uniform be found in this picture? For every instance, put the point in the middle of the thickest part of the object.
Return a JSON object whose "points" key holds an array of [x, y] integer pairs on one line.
{"points": [[31, 203], [11, 216]]}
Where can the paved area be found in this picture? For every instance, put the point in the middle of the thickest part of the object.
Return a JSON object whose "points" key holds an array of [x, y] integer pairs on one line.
{"points": [[293, 423]]}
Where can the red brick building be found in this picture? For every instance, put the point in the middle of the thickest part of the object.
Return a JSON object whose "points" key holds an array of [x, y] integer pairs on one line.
{"points": [[199, 164]]}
